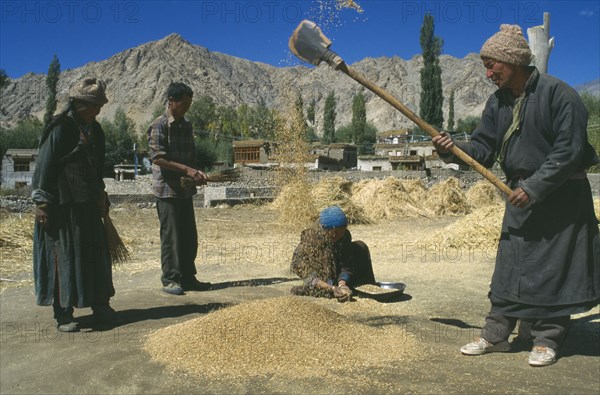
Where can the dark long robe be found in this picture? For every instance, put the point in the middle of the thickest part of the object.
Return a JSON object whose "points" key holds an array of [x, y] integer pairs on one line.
{"points": [[548, 261], [70, 255]]}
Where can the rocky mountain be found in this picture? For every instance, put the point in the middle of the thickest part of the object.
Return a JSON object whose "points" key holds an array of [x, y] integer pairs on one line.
{"points": [[592, 87], [137, 79]]}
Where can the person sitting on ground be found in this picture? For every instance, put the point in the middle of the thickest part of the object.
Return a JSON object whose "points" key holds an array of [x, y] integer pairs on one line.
{"points": [[329, 261]]}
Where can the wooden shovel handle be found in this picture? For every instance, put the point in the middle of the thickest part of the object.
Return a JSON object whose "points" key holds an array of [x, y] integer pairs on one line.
{"points": [[462, 155]]}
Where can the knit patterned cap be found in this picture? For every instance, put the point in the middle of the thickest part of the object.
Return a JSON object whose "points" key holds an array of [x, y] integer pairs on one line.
{"points": [[332, 217], [89, 90], [508, 46]]}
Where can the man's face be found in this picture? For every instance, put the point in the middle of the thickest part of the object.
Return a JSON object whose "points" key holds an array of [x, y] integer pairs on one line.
{"points": [[90, 112], [499, 73], [179, 108]]}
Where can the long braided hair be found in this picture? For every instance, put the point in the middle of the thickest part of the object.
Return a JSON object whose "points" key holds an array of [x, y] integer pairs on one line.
{"points": [[56, 120]]}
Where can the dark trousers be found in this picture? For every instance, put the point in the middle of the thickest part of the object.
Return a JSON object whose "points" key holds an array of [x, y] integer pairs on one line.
{"points": [[362, 265], [547, 332], [178, 239]]}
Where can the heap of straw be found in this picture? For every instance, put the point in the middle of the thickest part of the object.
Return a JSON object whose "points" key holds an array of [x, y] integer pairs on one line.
{"points": [[227, 175], [16, 243], [389, 198], [447, 198], [287, 336], [295, 204], [483, 194], [116, 247], [480, 229], [338, 191]]}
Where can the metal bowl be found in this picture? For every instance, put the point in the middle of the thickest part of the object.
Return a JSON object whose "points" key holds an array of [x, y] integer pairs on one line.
{"points": [[397, 288], [388, 285]]}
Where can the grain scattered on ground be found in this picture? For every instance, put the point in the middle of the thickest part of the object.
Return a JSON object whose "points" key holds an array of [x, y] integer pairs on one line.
{"points": [[286, 336]]}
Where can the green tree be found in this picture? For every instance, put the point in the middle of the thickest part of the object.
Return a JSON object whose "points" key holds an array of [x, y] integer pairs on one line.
{"points": [[202, 113], [592, 104], [245, 118], [51, 83], [311, 135], [451, 111], [344, 134], [431, 75], [206, 152], [265, 122], [467, 124], [359, 118], [310, 112], [24, 135], [299, 109], [329, 119], [225, 122], [120, 137]]}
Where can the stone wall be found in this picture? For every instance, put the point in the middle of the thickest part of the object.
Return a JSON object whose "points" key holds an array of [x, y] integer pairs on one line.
{"points": [[258, 185]]}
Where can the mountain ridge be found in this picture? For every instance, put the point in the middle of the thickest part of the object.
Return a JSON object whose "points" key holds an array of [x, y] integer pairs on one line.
{"points": [[137, 79]]}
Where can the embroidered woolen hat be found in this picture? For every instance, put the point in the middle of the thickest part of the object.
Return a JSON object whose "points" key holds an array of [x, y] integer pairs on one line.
{"points": [[332, 217], [89, 90], [508, 46]]}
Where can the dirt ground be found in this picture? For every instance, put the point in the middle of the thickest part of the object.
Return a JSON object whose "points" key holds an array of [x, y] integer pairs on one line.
{"points": [[246, 254]]}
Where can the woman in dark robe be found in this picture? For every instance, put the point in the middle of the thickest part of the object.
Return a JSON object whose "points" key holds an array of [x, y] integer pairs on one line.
{"points": [[71, 262]]}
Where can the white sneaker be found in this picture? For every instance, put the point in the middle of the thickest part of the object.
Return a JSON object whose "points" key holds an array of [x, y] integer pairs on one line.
{"points": [[482, 346], [542, 356]]}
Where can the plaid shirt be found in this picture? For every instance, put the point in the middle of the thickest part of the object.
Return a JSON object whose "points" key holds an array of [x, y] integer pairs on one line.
{"points": [[172, 140]]}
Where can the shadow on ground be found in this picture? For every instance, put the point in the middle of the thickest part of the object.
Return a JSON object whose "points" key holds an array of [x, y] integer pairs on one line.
{"points": [[131, 316], [251, 283]]}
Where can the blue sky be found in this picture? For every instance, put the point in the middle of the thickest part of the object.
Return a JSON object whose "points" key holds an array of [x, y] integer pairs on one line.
{"points": [[81, 31]]}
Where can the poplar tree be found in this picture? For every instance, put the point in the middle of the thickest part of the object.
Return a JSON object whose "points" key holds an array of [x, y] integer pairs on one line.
{"points": [[359, 118], [329, 119], [310, 112], [51, 83], [451, 111], [431, 75]]}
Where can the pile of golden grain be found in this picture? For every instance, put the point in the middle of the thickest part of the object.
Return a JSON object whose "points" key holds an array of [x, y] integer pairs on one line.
{"points": [[288, 336]]}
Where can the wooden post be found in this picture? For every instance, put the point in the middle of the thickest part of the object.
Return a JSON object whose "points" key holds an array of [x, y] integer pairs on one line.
{"points": [[541, 44]]}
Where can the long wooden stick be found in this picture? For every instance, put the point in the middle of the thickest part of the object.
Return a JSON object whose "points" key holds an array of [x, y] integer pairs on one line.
{"points": [[430, 130]]}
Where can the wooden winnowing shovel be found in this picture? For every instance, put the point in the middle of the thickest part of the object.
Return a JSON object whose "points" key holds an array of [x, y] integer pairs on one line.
{"points": [[310, 44]]}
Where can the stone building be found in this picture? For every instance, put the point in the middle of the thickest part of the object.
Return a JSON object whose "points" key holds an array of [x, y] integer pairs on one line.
{"points": [[18, 166]]}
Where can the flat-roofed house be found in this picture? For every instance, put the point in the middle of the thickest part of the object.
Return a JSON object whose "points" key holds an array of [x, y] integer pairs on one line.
{"points": [[18, 166]]}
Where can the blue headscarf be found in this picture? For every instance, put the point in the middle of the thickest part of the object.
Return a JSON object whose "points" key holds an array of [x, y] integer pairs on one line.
{"points": [[332, 217]]}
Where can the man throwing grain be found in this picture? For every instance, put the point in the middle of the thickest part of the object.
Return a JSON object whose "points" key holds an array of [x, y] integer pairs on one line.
{"points": [[329, 261], [548, 262]]}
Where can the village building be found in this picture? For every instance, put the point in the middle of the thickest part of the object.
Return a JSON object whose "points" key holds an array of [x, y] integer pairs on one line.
{"points": [[18, 166], [335, 157], [248, 152]]}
